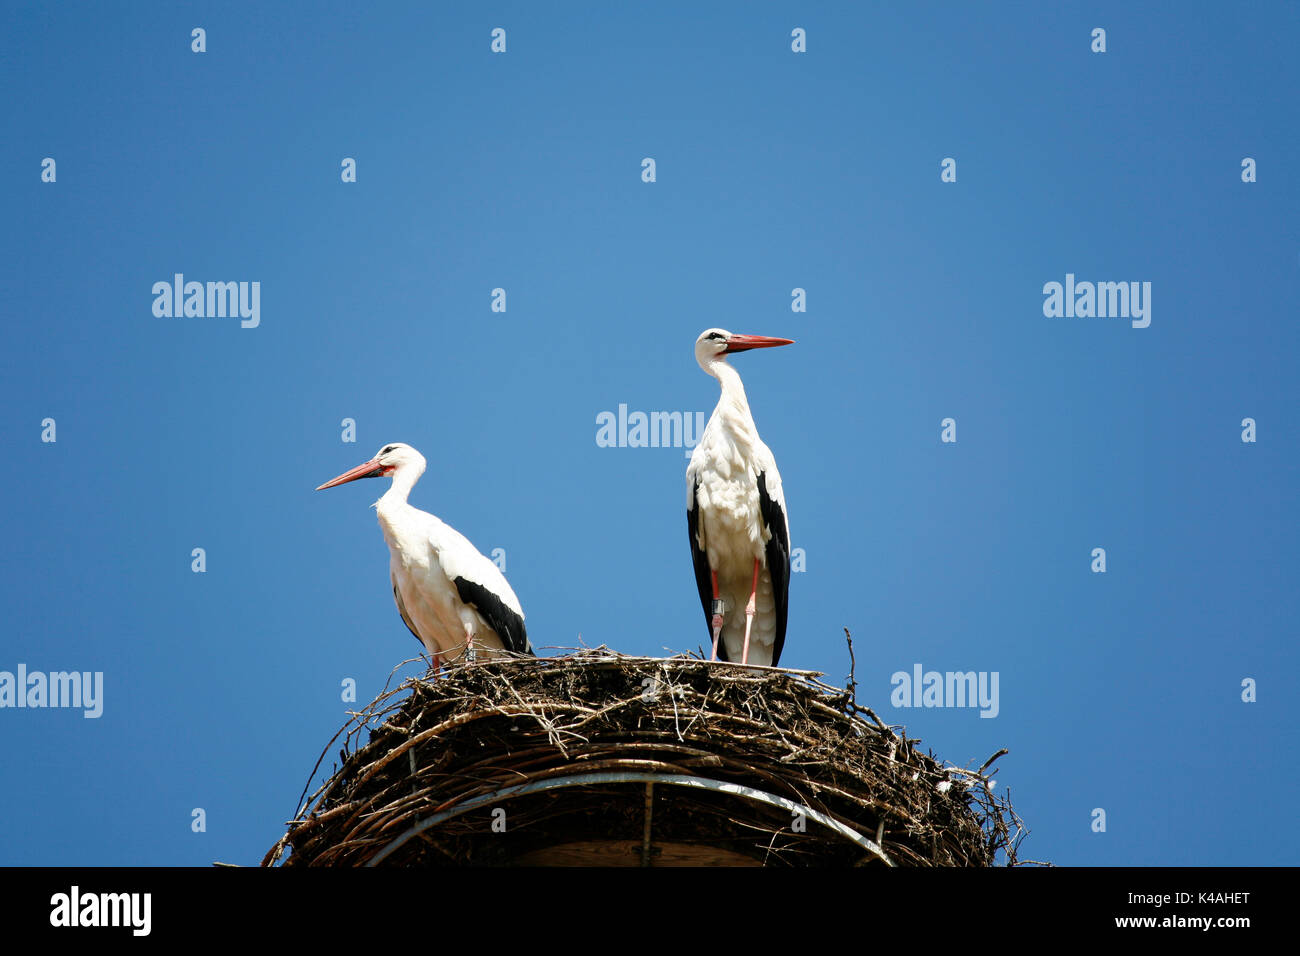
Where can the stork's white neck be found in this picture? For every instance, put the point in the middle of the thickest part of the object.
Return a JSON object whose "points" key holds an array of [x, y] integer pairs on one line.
{"points": [[404, 479], [733, 406]]}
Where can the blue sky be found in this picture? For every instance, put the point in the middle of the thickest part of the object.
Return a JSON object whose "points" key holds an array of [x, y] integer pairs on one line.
{"points": [[774, 171]]}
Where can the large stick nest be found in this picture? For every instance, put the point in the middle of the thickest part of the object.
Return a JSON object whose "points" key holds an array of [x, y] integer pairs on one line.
{"points": [[598, 758]]}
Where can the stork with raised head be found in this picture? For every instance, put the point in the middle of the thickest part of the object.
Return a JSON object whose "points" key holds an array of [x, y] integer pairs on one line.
{"points": [[735, 511], [452, 598]]}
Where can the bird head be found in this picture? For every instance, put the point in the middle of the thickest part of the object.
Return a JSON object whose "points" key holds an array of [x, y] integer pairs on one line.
{"points": [[714, 343], [387, 461]]}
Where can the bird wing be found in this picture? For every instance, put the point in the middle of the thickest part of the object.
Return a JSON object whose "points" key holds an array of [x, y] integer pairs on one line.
{"points": [[508, 625], [482, 586], [771, 503], [401, 608], [703, 573]]}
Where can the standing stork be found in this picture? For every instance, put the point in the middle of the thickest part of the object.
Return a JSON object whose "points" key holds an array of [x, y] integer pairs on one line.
{"points": [[735, 511], [451, 597]]}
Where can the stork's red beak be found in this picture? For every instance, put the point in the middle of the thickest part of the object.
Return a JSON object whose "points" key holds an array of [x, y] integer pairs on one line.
{"points": [[743, 343], [370, 469]]}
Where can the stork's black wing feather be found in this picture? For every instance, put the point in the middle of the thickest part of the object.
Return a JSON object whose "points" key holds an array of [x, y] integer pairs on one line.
{"points": [[703, 574], [508, 625], [401, 609], [778, 560]]}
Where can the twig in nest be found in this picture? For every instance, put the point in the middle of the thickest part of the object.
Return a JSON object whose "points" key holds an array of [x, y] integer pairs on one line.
{"points": [[852, 685], [1001, 753]]}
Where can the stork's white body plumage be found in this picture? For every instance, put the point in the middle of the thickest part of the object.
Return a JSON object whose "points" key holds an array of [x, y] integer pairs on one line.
{"points": [[736, 515], [448, 593]]}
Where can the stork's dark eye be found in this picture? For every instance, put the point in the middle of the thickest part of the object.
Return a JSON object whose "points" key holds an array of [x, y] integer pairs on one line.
{"points": [[716, 335], [387, 449]]}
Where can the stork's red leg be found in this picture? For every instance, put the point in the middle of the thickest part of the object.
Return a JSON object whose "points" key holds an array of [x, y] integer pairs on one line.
{"points": [[717, 617], [749, 613]]}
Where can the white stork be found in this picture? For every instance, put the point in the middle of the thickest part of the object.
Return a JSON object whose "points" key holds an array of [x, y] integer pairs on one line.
{"points": [[735, 511], [451, 597]]}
